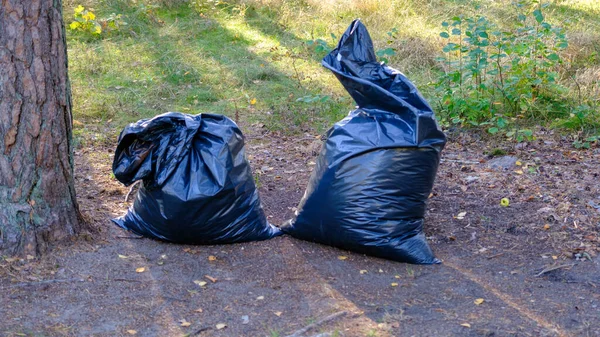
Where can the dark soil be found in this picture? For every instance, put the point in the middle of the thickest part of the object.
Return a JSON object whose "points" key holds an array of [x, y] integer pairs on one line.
{"points": [[529, 269]]}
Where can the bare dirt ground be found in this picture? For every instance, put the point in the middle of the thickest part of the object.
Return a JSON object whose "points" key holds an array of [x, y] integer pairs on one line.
{"points": [[529, 269]]}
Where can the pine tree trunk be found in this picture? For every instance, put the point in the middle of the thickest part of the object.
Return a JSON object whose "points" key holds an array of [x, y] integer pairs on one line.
{"points": [[37, 193]]}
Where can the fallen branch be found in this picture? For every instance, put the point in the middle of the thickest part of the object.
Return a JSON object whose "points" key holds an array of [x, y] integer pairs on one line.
{"points": [[549, 269], [299, 333]]}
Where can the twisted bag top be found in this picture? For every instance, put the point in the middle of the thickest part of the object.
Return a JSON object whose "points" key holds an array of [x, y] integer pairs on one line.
{"points": [[197, 183]]}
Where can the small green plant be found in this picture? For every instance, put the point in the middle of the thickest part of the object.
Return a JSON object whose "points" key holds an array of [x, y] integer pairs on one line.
{"points": [[586, 143], [318, 45], [383, 54]]}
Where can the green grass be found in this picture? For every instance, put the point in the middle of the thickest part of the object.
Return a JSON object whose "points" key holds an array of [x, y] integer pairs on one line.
{"points": [[249, 58]]}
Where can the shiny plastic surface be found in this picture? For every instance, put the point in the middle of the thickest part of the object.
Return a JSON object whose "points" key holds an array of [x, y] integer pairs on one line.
{"points": [[369, 188], [197, 184]]}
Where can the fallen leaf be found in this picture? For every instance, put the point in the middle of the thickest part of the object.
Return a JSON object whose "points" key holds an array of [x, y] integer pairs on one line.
{"points": [[278, 313], [554, 257], [123, 256], [466, 325], [394, 284], [479, 301], [342, 257], [253, 101], [30, 257], [381, 270], [221, 326], [140, 270], [397, 276], [212, 279], [504, 202], [200, 283], [546, 227], [461, 215], [198, 310], [183, 322], [212, 258], [519, 171], [131, 332], [260, 298], [363, 271], [10, 259], [518, 163]]}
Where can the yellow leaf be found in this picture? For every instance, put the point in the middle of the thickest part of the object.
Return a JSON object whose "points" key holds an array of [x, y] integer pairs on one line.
{"points": [[123, 256], [30, 257], [253, 101], [554, 257], [79, 9], [518, 163], [278, 313], [546, 227], [394, 284], [461, 215], [519, 171], [89, 16], [74, 25], [200, 283], [212, 258], [466, 325], [504, 202], [183, 322], [221, 326], [363, 271], [131, 332], [140, 270], [342, 257], [397, 276], [98, 29], [479, 301]]}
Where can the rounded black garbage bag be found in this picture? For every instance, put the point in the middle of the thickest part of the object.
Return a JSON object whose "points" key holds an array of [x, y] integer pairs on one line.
{"points": [[377, 167], [197, 184]]}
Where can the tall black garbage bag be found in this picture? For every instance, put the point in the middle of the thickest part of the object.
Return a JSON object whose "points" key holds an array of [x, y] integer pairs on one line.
{"points": [[197, 185], [376, 169]]}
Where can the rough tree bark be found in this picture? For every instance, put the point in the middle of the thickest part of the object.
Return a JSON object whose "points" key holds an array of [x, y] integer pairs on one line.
{"points": [[37, 193]]}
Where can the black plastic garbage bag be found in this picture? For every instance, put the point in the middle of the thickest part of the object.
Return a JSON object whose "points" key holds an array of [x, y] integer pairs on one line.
{"points": [[376, 169], [197, 185]]}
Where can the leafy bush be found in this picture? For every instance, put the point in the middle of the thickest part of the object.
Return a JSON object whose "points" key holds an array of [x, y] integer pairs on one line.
{"points": [[493, 76]]}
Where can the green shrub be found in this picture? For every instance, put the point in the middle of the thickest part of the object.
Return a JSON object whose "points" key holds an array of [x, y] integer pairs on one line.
{"points": [[494, 77]]}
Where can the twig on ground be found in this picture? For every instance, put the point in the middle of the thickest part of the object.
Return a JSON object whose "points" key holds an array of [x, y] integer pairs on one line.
{"points": [[205, 328], [129, 237], [131, 190], [36, 283], [329, 318], [549, 269], [461, 161], [495, 255]]}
